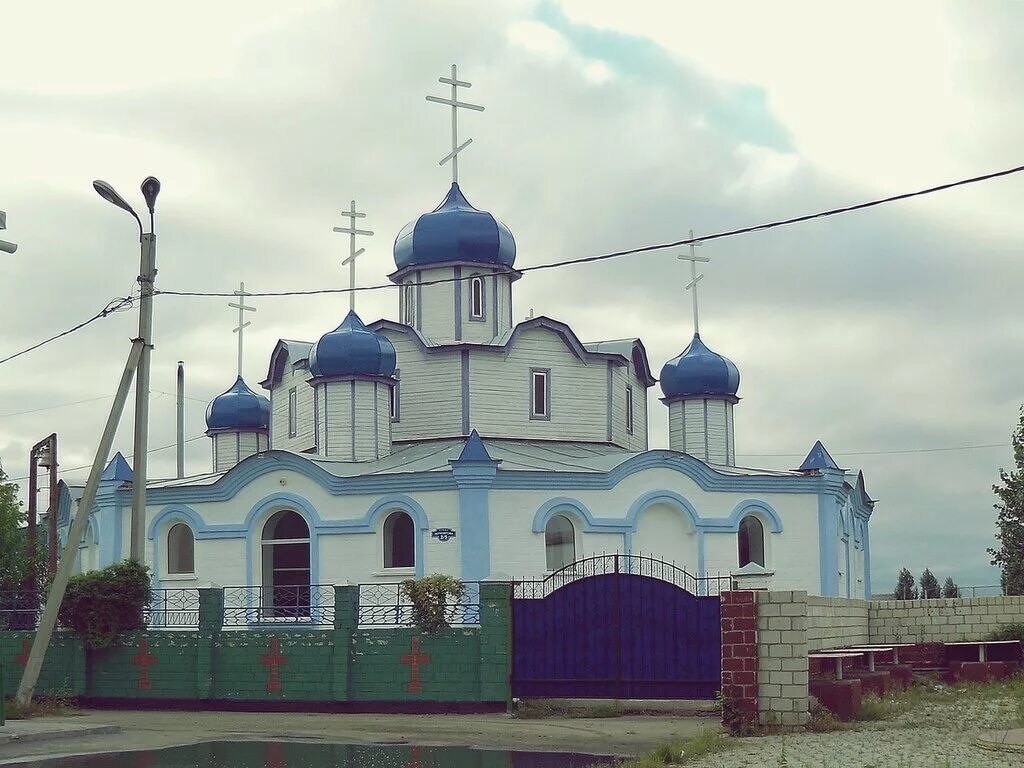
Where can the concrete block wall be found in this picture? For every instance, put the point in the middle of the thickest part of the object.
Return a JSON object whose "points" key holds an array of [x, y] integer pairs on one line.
{"points": [[782, 632], [941, 620], [63, 671], [836, 621]]}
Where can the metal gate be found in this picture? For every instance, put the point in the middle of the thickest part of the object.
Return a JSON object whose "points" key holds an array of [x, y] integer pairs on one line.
{"points": [[617, 626]]}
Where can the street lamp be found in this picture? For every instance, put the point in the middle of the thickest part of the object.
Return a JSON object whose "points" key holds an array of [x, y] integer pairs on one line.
{"points": [[5, 246], [147, 277]]}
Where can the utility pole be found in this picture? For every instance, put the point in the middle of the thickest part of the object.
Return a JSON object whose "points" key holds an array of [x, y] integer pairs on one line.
{"points": [[147, 278], [48, 620], [181, 419], [51, 516]]}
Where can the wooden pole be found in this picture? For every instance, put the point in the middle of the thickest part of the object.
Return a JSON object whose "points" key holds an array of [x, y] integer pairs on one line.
{"points": [[51, 519], [31, 582], [48, 621]]}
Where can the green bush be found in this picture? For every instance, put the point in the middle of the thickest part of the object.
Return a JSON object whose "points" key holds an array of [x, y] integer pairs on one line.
{"points": [[822, 720], [1007, 632], [100, 605], [430, 597], [874, 707]]}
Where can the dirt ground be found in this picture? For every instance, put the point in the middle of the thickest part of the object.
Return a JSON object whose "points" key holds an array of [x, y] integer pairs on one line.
{"points": [[155, 729]]}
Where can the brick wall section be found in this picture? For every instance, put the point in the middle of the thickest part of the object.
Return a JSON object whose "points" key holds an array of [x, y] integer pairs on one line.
{"points": [[942, 620], [342, 663], [782, 632], [836, 621], [739, 655]]}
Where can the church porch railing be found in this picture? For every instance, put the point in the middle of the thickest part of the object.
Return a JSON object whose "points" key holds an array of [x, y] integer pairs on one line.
{"points": [[259, 606], [386, 605]]}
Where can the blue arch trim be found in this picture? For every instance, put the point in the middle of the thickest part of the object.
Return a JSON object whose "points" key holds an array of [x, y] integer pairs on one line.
{"points": [[755, 506], [257, 518], [577, 510], [670, 498]]}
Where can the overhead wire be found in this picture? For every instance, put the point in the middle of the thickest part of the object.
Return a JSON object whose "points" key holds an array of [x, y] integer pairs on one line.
{"points": [[630, 251], [129, 456], [116, 305]]}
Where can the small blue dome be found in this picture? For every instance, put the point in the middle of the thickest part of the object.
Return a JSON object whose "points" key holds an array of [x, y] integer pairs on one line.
{"points": [[238, 409], [455, 231], [699, 371], [352, 349]]}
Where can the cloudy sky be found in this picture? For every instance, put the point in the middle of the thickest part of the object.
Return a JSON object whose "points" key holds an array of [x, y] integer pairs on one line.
{"points": [[887, 334]]}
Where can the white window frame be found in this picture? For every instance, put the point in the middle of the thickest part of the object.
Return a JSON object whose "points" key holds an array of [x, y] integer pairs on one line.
{"points": [[629, 408], [477, 294], [386, 542], [172, 575], [410, 304], [395, 397], [293, 412], [545, 413], [549, 567]]}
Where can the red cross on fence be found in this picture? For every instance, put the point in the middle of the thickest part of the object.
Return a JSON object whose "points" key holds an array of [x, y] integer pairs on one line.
{"points": [[414, 760], [414, 660], [144, 660], [274, 757], [274, 661], [26, 649]]}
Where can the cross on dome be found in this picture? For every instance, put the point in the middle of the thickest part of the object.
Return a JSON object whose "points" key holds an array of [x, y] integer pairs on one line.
{"points": [[242, 322], [353, 254], [694, 279], [456, 105]]}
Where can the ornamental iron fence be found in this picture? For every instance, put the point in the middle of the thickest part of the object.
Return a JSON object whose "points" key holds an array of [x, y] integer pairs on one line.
{"points": [[172, 609], [387, 605], [20, 609], [306, 605], [618, 563]]}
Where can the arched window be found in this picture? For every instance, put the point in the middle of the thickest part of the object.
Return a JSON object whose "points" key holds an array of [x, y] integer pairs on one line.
{"points": [[559, 542], [286, 569], [476, 298], [399, 541], [181, 556], [751, 541]]}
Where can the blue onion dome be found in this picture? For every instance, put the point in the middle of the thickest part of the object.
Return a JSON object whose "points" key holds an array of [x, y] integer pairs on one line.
{"points": [[238, 409], [699, 371], [352, 349], [455, 231]]}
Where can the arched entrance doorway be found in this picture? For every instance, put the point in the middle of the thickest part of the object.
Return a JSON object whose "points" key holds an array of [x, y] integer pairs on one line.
{"points": [[286, 569]]}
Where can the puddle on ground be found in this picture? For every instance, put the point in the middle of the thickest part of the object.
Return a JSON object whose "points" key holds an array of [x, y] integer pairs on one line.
{"points": [[285, 754]]}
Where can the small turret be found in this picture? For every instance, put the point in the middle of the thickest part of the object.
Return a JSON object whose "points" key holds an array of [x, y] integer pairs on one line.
{"points": [[238, 421]]}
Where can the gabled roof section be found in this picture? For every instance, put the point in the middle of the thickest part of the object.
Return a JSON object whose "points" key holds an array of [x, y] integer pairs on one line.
{"points": [[117, 469], [818, 458], [284, 350], [631, 349]]}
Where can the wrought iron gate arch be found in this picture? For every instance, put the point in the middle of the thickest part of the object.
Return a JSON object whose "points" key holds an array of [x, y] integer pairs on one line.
{"points": [[617, 626]]}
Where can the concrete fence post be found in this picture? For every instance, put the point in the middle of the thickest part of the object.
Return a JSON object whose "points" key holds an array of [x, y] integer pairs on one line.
{"points": [[346, 620], [211, 621], [495, 642]]}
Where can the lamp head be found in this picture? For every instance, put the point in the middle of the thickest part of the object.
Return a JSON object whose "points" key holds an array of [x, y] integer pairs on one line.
{"points": [[150, 189], [7, 247], [109, 194]]}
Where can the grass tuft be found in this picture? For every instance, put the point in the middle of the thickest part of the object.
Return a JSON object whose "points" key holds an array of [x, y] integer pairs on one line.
{"points": [[874, 707], [40, 706], [707, 742], [822, 720]]}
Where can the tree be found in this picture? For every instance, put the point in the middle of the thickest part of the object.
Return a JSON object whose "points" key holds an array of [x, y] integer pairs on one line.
{"points": [[950, 589], [1010, 523], [929, 585], [905, 589], [13, 545]]}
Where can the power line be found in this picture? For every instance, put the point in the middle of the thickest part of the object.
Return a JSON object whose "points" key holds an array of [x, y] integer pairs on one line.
{"points": [[882, 453], [117, 305], [129, 456], [55, 407], [638, 250]]}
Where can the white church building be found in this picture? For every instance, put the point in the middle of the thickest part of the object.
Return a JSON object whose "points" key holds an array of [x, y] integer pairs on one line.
{"points": [[455, 440]]}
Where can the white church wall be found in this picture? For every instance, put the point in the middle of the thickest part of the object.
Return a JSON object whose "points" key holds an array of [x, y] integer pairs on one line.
{"points": [[430, 393], [664, 534], [500, 391], [483, 330], [435, 317], [305, 437], [623, 377]]}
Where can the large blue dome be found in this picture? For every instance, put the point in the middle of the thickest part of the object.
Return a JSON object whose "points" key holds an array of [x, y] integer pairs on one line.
{"points": [[699, 371], [352, 349], [238, 409], [455, 231]]}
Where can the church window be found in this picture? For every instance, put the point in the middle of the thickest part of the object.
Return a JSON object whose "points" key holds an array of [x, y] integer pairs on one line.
{"points": [[751, 541], [540, 393], [629, 409], [395, 397], [410, 309], [559, 542], [286, 571], [293, 412], [181, 555], [476, 298], [399, 541]]}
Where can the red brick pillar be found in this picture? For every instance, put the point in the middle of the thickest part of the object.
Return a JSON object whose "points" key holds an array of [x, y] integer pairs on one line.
{"points": [[739, 660]]}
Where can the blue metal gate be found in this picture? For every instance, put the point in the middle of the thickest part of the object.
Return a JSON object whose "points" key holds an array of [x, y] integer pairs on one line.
{"points": [[617, 626]]}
